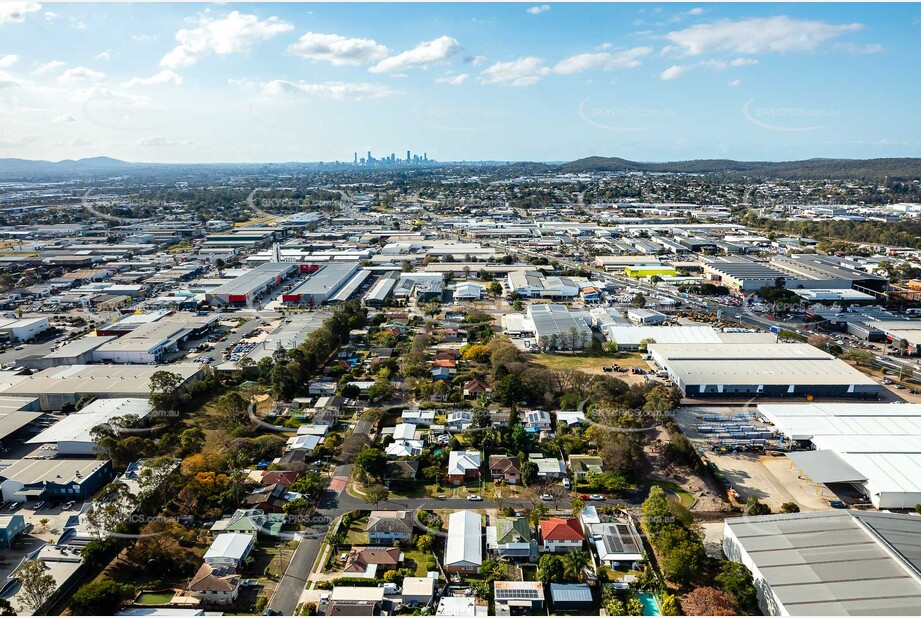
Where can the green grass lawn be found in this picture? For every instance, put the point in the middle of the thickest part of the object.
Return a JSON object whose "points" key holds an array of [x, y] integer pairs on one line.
{"points": [[419, 559], [588, 361], [684, 497], [357, 534]]}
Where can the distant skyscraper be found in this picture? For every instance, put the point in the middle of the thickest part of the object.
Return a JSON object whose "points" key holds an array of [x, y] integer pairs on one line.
{"points": [[356, 158], [370, 158], [407, 157]]}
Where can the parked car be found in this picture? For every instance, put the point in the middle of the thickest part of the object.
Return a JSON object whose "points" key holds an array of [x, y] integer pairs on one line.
{"points": [[546, 497], [598, 497], [474, 498], [584, 497]]}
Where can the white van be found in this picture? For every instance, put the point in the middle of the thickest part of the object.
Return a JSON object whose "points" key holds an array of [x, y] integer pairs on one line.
{"points": [[566, 483]]}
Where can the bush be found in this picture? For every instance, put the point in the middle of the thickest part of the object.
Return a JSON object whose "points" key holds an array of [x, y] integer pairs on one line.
{"points": [[99, 598]]}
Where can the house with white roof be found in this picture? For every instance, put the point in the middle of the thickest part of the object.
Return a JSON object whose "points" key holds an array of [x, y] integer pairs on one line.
{"points": [[464, 547], [230, 548], [463, 466]]}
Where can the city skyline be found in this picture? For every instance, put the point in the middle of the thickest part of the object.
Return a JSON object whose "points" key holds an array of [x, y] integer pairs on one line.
{"points": [[510, 82]]}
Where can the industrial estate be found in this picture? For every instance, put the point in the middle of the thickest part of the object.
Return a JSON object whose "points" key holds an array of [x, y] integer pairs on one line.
{"points": [[487, 390]]}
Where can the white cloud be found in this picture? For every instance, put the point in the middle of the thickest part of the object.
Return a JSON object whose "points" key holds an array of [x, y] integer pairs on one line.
{"points": [[337, 49], [453, 80], [144, 38], [735, 83], [475, 60], [672, 72], [48, 67], [696, 11], [106, 55], [8, 60], [423, 54], [870, 48], [51, 15], [65, 119], [159, 141], [522, 72], [16, 11], [752, 36], [235, 33], [625, 59], [338, 91], [537, 10], [163, 77], [79, 75]]}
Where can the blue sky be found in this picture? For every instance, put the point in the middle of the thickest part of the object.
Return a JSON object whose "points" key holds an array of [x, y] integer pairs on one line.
{"points": [[283, 82]]}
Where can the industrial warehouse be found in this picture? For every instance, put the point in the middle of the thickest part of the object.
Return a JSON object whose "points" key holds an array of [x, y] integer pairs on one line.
{"points": [[827, 563], [765, 369], [872, 448]]}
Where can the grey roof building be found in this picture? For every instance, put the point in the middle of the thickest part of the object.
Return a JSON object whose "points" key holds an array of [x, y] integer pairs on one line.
{"points": [[845, 563]]}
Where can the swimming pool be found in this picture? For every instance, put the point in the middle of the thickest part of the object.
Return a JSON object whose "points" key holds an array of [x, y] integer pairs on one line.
{"points": [[650, 604]]}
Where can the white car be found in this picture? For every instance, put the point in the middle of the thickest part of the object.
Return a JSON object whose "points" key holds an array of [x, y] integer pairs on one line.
{"points": [[596, 497], [474, 498], [546, 497]]}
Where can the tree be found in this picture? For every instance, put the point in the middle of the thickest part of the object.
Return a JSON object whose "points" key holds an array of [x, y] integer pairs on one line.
{"points": [[639, 301], [656, 513], [683, 553], [656, 280], [232, 410], [111, 509], [754, 506], [99, 598], [789, 507], [861, 357], [735, 579], [574, 564], [634, 607], [492, 569], [529, 471], [6, 608], [669, 605], [644, 343], [577, 505], [611, 347], [381, 390], [477, 352], [191, 440], [550, 569], [372, 462], [36, 586], [164, 391], [707, 601], [615, 607], [424, 543], [495, 288], [375, 494]]}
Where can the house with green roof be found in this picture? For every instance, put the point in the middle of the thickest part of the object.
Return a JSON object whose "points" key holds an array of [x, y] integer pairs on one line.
{"points": [[253, 521], [511, 538]]}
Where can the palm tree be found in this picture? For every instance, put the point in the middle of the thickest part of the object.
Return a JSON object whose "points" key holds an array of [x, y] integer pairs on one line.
{"points": [[574, 564]]}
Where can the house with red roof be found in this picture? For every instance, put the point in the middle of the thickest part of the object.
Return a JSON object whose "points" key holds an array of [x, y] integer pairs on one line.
{"points": [[559, 535]]}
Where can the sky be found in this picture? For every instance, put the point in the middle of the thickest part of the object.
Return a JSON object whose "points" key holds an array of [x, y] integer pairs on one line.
{"points": [[267, 82]]}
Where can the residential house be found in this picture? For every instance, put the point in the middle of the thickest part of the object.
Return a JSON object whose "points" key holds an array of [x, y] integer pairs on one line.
{"points": [[271, 499], [570, 417], [372, 561], [616, 543], [559, 535], [511, 538], [500, 420], [459, 419], [581, 465], [326, 417], [230, 548], [251, 521], [505, 468], [11, 526], [464, 549], [548, 467], [463, 466], [401, 470], [522, 597], [473, 389], [322, 388], [214, 584], [404, 448], [418, 417], [537, 420], [355, 601], [404, 431], [418, 591], [271, 477], [571, 597], [443, 373], [389, 527]]}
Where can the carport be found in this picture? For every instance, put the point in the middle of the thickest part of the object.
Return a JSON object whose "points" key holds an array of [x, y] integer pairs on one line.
{"points": [[826, 468]]}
